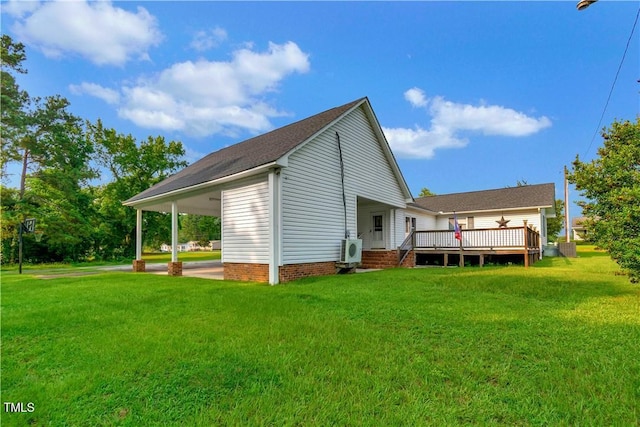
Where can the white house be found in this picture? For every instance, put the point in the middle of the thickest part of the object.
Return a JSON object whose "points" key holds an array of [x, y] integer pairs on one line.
{"points": [[192, 246], [578, 228], [503, 207], [300, 200], [490, 220], [289, 198]]}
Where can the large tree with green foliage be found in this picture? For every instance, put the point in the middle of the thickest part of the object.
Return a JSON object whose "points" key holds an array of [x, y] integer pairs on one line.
{"points": [[201, 229], [134, 167], [14, 101], [48, 142], [611, 185], [58, 157], [554, 225]]}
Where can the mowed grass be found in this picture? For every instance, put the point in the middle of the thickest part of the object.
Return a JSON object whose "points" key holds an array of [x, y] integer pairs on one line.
{"points": [[150, 258], [555, 344]]}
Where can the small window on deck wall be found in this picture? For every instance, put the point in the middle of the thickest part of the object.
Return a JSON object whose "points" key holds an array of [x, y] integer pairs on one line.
{"points": [[464, 223], [409, 224]]}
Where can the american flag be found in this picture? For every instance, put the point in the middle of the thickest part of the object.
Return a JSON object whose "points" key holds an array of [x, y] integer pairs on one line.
{"points": [[456, 227]]}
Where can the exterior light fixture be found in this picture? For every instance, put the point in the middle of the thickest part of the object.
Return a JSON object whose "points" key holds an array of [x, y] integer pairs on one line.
{"points": [[583, 4]]}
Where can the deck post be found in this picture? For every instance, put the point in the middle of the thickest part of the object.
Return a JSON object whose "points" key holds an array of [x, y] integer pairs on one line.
{"points": [[446, 259], [481, 262], [526, 244]]}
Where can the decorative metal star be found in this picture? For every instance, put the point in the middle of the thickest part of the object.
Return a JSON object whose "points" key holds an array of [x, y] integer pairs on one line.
{"points": [[502, 223]]}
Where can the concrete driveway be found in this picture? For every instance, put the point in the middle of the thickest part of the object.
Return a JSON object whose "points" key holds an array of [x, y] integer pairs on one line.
{"points": [[202, 269]]}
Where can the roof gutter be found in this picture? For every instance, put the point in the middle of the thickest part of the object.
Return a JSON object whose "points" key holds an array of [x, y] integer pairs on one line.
{"points": [[171, 195], [494, 210]]}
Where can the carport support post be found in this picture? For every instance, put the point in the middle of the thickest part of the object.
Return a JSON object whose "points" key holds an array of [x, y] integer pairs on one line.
{"points": [[138, 263], [175, 267]]}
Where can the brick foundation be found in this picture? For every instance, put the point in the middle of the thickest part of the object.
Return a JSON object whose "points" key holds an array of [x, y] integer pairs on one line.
{"points": [[386, 259], [175, 268], [246, 272], [410, 260], [260, 272], [139, 266], [291, 272], [379, 259]]}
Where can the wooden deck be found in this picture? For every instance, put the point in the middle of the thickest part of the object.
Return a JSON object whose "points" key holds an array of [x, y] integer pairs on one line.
{"points": [[476, 242]]}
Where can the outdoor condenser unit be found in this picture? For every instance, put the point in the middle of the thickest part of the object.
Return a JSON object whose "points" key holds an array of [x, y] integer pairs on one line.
{"points": [[351, 251]]}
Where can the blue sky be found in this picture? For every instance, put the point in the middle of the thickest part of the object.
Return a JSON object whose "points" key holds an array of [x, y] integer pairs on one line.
{"points": [[471, 95]]}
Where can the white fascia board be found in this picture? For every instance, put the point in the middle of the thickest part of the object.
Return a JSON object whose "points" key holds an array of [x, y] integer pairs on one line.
{"points": [[391, 158], [493, 210], [421, 210], [172, 195], [285, 158]]}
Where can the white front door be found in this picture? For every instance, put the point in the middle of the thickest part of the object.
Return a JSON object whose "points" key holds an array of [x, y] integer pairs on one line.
{"points": [[377, 231]]}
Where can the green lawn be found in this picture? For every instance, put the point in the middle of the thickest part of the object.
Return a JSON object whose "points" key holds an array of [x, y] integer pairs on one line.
{"points": [[555, 344], [151, 258]]}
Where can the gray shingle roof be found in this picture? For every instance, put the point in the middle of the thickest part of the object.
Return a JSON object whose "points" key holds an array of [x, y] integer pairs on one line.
{"points": [[540, 195], [246, 155]]}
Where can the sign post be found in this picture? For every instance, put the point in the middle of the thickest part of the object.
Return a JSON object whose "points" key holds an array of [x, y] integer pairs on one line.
{"points": [[28, 226]]}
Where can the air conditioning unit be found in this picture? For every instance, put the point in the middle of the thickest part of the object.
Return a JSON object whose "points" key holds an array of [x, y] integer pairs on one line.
{"points": [[351, 251]]}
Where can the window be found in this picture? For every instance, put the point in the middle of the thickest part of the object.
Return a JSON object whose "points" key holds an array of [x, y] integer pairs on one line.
{"points": [[462, 222], [409, 224]]}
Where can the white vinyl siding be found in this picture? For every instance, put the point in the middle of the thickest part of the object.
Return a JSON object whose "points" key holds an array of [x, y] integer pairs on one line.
{"points": [[245, 224], [312, 203], [516, 219], [367, 170]]}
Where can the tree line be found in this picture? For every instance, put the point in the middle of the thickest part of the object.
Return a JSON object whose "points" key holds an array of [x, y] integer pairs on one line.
{"points": [[73, 177]]}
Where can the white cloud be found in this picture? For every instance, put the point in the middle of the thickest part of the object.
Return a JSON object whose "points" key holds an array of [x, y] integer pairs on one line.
{"points": [[207, 97], [19, 8], [97, 31], [205, 40], [488, 119], [416, 97], [109, 96], [449, 119], [420, 143]]}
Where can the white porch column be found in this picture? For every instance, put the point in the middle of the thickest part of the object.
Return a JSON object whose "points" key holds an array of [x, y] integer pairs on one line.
{"points": [[174, 231], [138, 234], [275, 227]]}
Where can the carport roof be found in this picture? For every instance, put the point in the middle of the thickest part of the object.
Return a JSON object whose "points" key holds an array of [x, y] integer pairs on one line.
{"points": [[244, 156]]}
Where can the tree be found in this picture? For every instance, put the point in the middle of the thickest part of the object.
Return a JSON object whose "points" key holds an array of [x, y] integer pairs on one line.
{"points": [[134, 168], [611, 185], [199, 228], [554, 225], [425, 192], [48, 141], [14, 101]]}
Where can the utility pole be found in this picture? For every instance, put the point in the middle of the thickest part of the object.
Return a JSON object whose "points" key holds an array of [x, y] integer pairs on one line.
{"points": [[566, 206]]}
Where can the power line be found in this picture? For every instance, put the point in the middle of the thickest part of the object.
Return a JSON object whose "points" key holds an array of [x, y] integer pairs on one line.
{"points": [[614, 84]]}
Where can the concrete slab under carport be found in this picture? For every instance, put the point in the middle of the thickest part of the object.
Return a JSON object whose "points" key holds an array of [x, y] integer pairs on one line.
{"points": [[202, 269]]}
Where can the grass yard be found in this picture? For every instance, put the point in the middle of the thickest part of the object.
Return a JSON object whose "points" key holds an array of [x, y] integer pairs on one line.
{"points": [[150, 258], [555, 344]]}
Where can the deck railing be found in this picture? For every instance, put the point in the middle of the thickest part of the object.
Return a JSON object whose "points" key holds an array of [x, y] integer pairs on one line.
{"points": [[491, 238]]}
